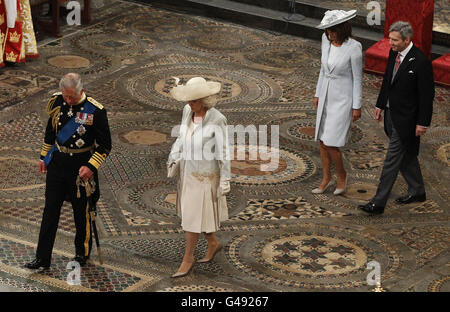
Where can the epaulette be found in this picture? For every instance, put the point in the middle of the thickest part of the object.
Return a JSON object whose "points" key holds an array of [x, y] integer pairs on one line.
{"points": [[95, 103], [53, 110], [51, 103]]}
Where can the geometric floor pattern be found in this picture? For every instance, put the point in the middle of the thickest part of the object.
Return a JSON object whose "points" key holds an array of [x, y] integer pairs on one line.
{"points": [[279, 237], [441, 18]]}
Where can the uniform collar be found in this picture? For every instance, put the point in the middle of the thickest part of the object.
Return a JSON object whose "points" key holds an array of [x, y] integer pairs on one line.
{"points": [[83, 98]]}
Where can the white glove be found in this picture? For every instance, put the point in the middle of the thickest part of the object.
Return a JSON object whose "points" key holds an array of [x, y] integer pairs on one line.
{"points": [[224, 187]]}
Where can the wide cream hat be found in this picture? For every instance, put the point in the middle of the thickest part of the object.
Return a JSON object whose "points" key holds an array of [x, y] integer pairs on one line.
{"points": [[335, 17], [194, 89]]}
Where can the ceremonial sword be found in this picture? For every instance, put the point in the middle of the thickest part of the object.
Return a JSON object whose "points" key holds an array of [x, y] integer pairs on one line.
{"points": [[92, 211]]}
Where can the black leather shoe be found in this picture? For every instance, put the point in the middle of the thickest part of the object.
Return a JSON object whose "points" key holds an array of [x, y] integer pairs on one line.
{"points": [[411, 199], [38, 263], [81, 260], [372, 208]]}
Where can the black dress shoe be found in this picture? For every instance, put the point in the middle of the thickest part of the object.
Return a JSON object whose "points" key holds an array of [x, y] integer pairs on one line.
{"points": [[372, 208], [38, 263], [81, 260], [411, 199]]}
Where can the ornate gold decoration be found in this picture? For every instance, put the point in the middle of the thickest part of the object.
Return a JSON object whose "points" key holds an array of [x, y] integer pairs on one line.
{"points": [[14, 37], [81, 130], [79, 143], [29, 39], [11, 57], [95, 103], [70, 112], [53, 111], [203, 177], [2, 18]]}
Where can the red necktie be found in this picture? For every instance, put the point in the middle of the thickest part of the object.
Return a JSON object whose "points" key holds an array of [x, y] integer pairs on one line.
{"points": [[397, 62]]}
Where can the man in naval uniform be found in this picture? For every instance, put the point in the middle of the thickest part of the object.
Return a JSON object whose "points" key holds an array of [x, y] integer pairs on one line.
{"points": [[77, 141]]}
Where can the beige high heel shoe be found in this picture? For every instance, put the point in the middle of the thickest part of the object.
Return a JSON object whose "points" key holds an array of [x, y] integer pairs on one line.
{"points": [[203, 260], [181, 274], [320, 191], [339, 191]]}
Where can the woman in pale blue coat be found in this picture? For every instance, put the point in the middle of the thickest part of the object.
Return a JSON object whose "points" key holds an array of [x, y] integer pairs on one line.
{"points": [[338, 94], [201, 150]]}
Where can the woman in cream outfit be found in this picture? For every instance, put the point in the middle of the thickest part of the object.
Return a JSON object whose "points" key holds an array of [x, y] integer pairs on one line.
{"points": [[338, 94], [202, 149]]}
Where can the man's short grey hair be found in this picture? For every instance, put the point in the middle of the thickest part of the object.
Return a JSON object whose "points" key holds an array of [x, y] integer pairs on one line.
{"points": [[71, 81], [404, 28]]}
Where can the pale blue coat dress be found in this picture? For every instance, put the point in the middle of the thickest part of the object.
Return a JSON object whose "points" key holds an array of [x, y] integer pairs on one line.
{"points": [[339, 90]]}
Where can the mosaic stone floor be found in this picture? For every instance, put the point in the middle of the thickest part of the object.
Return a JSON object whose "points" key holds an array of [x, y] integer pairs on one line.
{"points": [[279, 237], [441, 20]]}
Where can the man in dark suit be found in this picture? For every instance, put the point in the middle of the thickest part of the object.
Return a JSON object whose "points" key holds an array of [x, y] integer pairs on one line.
{"points": [[406, 96]]}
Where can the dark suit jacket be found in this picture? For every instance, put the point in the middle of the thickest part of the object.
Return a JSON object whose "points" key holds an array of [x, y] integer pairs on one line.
{"points": [[410, 95]]}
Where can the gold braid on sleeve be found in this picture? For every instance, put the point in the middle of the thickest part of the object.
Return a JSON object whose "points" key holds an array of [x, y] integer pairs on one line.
{"points": [[53, 111]]}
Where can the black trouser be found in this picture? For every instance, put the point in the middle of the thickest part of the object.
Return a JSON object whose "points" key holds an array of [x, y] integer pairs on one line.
{"points": [[397, 159], [62, 173]]}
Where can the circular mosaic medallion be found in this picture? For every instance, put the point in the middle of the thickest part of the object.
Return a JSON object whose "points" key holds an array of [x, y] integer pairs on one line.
{"points": [[151, 197], [228, 91], [443, 154], [314, 257], [160, 25], [143, 137], [115, 45], [159, 198], [360, 191], [224, 39], [135, 137], [253, 166], [440, 285], [284, 55], [306, 131], [56, 63], [19, 171], [219, 38], [69, 61], [151, 85]]}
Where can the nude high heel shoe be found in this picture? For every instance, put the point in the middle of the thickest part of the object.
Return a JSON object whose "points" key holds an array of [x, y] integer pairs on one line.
{"points": [[181, 274], [339, 191], [203, 260], [320, 191]]}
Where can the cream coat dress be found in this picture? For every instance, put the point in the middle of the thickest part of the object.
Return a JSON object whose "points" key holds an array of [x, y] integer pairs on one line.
{"points": [[204, 153], [339, 90]]}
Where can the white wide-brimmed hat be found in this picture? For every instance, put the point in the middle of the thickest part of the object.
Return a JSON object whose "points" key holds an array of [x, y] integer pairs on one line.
{"points": [[335, 17], [194, 89]]}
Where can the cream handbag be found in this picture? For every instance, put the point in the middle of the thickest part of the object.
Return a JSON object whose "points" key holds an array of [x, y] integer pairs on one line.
{"points": [[173, 168]]}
